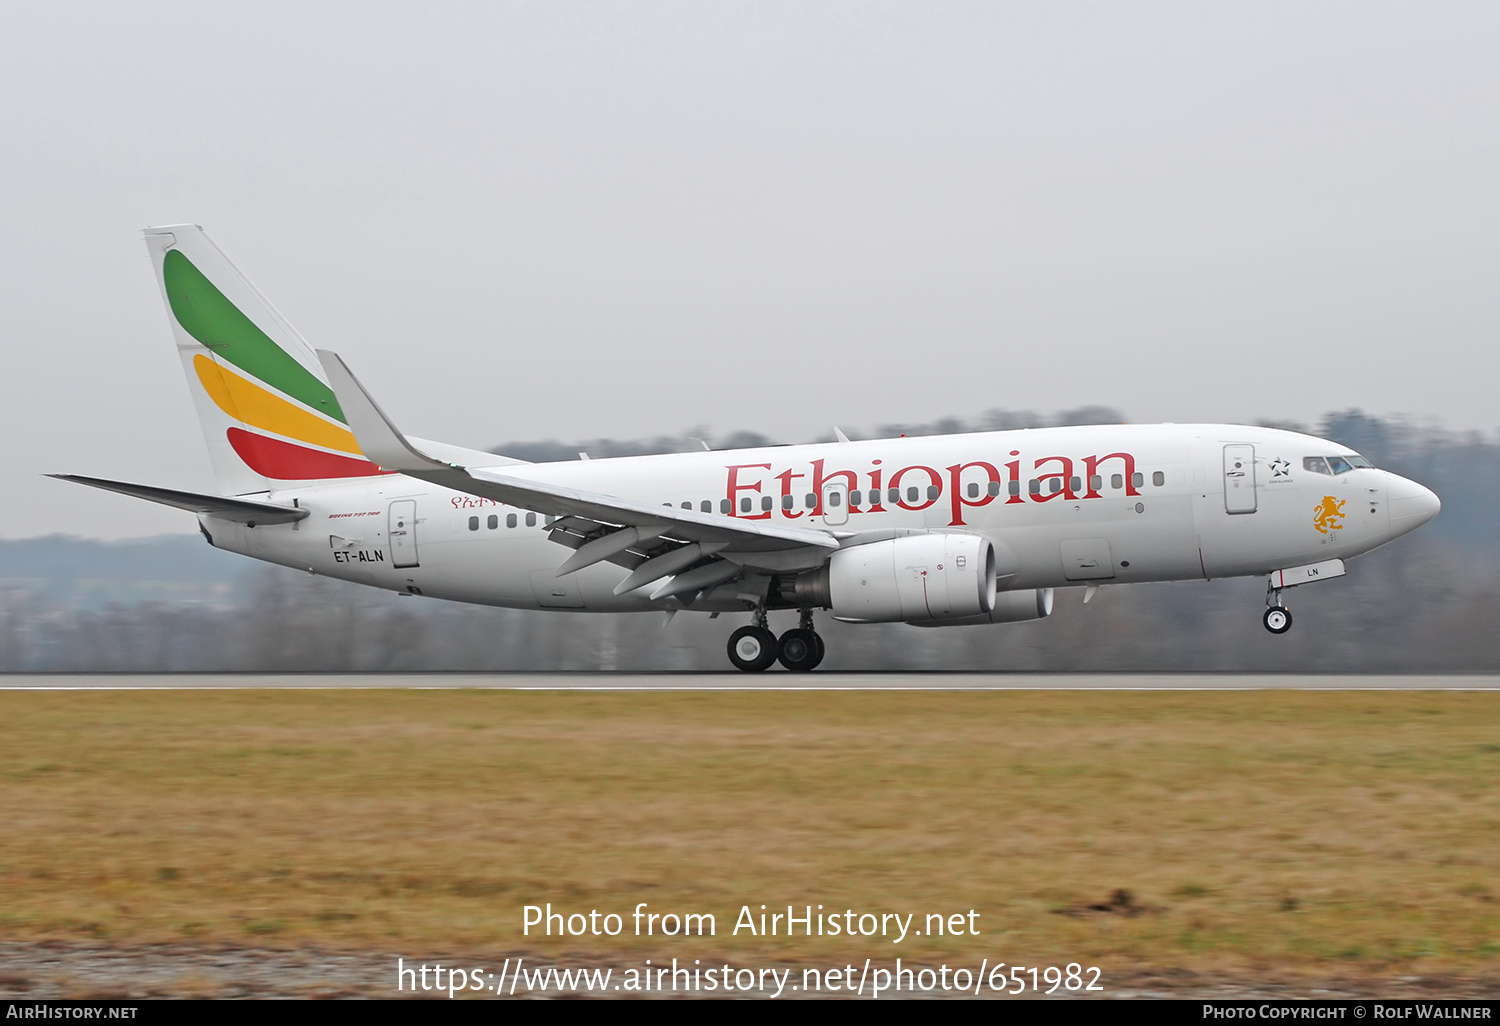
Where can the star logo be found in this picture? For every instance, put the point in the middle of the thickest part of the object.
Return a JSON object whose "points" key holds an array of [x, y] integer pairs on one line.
{"points": [[1280, 468]]}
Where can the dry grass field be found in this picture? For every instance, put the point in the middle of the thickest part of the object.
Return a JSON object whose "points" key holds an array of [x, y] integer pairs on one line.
{"points": [[1343, 834]]}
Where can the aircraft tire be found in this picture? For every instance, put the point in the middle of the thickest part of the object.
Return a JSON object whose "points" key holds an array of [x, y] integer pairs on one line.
{"points": [[799, 650], [752, 649], [1278, 619], [821, 650]]}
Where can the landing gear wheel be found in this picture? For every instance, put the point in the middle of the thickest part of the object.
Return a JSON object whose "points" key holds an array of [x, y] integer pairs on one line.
{"points": [[799, 650], [1278, 619], [752, 649], [821, 649]]}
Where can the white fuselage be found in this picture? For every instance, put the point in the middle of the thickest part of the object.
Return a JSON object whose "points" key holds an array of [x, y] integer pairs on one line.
{"points": [[1069, 506]]}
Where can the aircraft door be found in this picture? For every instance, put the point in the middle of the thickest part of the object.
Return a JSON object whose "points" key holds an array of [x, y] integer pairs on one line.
{"points": [[1239, 479], [835, 502], [402, 532]]}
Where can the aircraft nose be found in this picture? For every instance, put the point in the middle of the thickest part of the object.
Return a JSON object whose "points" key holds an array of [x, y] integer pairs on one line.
{"points": [[1411, 505]]}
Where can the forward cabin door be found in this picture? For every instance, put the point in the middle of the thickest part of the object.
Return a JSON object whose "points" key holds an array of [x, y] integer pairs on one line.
{"points": [[402, 532], [1239, 479]]}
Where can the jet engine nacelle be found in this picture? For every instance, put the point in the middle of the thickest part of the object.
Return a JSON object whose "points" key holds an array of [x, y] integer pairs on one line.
{"points": [[939, 576], [1010, 607]]}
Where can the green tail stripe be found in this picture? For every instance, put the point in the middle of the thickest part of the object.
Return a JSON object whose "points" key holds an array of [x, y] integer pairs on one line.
{"points": [[209, 316]]}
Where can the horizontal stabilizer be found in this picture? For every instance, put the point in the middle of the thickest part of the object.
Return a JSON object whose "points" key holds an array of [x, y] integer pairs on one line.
{"points": [[241, 511]]}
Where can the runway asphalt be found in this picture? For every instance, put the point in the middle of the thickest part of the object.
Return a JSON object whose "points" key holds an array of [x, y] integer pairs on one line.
{"points": [[770, 681]]}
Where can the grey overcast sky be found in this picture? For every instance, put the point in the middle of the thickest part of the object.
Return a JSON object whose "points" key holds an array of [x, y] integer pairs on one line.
{"points": [[566, 220]]}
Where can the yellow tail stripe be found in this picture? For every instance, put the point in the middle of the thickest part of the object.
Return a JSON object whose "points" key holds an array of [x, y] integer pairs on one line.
{"points": [[250, 404]]}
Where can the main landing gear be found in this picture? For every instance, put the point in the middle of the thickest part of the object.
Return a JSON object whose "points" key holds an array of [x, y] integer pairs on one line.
{"points": [[755, 648]]}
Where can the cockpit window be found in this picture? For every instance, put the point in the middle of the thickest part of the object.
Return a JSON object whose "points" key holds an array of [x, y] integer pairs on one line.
{"points": [[1334, 464]]}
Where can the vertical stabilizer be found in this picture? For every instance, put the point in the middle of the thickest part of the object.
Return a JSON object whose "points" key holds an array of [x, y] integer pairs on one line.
{"points": [[263, 401]]}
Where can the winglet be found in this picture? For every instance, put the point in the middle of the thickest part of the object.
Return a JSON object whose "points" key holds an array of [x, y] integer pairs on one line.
{"points": [[378, 438]]}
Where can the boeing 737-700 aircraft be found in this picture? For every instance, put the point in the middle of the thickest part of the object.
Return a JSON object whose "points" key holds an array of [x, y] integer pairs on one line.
{"points": [[958, 530]]}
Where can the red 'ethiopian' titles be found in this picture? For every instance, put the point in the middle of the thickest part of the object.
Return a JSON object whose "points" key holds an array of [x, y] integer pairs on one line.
{"points": [[932, 485]]}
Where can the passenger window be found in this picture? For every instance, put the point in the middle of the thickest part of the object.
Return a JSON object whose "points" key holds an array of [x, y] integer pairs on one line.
{"points": [[706, 507], [493, 522], [1116, 482], [1075, 484], [973, 490], [1096, 482], [1034, 486], [1015, 487], [994, 488], [687, 505], [893, 495], [835, 499], [510, 520], [1314, 464], [765, 502], [724, 506], [911, 494], [811, 500], [1054, 485], [854, 497], [1158, 478], [1137, 479], [745, 504], [473, 523], [787, 501], [933, 491], [531, 520]]}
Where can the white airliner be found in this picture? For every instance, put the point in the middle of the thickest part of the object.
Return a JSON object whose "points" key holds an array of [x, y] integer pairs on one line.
{"points": [[971, 529]]}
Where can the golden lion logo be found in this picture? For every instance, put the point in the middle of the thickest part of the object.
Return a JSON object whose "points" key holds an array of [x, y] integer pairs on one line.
{"points": [[1327, 514]]}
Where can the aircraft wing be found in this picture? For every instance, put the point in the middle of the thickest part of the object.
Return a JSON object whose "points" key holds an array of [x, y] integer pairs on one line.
{"points": [[243, 511], [593, 523]]}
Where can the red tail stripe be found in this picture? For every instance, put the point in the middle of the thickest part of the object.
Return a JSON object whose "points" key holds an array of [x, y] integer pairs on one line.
{"points": [[271, 457]]}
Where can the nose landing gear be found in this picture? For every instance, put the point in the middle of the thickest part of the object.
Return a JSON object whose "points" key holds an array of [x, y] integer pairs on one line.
{"points": [[1277, 618]]}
